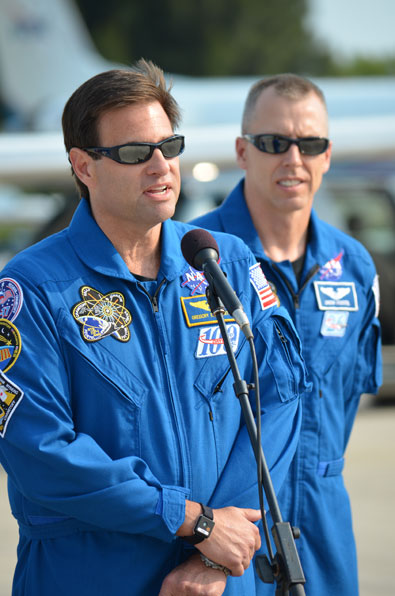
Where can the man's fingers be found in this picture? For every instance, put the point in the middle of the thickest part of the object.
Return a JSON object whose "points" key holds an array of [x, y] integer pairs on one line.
{"points": [[252, 515]]}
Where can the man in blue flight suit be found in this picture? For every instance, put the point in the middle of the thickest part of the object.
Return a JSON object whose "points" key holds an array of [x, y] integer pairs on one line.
{"points": [[130, 467], [328, 283]]}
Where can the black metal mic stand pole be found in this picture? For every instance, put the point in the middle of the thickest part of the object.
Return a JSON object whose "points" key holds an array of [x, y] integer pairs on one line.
{"points": [[284, 568]]}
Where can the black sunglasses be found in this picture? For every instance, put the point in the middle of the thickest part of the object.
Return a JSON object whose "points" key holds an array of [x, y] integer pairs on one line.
{"points": [[280, 144], [134, 153]]}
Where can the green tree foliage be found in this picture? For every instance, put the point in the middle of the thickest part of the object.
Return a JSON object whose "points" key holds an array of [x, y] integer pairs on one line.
{"points": [[225, 37], [219, 37], [363, 66]]}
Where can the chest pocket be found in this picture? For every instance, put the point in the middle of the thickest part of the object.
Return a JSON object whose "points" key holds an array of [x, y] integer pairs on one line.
{"points": [[284, 366], [215, 374], [327, 351], [104, 393]]}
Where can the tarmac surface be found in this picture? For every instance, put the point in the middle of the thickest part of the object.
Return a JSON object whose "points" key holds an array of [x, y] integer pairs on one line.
{"points": [[370, 478]]}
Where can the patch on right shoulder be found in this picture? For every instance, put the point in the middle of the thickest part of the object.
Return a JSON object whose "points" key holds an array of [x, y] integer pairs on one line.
{"points": [[262, 287]]}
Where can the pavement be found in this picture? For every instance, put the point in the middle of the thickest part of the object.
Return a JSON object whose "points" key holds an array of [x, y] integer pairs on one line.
{"points": [[369, 476]]}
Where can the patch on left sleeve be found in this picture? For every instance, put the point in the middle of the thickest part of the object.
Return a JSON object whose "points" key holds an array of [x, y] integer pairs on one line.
{"points": [[262, 287], [10, 397], [11, 298], [10, 344], [376, 292]]}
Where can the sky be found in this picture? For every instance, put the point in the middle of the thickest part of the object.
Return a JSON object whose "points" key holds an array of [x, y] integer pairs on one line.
{"points": [[350, 27]]}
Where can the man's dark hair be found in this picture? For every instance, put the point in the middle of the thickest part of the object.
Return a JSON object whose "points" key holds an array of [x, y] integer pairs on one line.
{"points": [[142, 83], [286, 85]]}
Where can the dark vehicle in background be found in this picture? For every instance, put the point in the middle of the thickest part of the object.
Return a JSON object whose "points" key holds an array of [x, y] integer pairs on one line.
{"points": [[360, 199]]}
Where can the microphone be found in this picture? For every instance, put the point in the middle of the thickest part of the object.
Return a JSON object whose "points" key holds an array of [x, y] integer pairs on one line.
{"points": [[200, 250]]}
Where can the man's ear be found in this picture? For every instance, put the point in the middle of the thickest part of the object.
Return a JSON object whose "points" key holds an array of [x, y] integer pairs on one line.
{"points": [[328, 155], [241, 147], [81, 162]]}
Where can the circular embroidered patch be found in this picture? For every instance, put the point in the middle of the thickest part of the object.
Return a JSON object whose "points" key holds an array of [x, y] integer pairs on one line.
{"points": [[10, 344], [11, 298]]}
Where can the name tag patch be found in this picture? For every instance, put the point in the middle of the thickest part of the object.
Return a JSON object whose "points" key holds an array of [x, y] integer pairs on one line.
{"points": [[332, 295], [334, 323], [10, 398], [197, 311], [211, 343]]}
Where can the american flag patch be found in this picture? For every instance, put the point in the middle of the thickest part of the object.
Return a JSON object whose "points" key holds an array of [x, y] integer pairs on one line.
{"points": [[261, 286]]}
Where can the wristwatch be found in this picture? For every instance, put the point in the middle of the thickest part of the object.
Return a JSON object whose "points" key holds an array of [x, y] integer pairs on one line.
{"points": [[203, 527]]}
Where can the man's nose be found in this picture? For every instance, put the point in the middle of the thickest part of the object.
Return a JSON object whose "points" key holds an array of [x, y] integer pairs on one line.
{"points": [[158, 164], [293, 155]]}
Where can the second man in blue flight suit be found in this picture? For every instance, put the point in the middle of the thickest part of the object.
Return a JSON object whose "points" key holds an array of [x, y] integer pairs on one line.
{"points": [[328, 283]]}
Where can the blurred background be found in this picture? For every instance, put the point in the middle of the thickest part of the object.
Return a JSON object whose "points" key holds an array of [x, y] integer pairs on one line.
{"points": [[213, 52]]}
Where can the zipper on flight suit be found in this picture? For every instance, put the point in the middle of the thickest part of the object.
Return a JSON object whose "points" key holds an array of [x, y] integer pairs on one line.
{"points": [[296, 297], [154, 298], [183, 459]]}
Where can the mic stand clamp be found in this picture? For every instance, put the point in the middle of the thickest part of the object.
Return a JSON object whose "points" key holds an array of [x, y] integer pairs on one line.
{"points": [[284, 568]]}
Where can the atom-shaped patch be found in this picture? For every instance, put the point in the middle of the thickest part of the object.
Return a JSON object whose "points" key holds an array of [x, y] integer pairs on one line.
{"points": [[101, 315]]}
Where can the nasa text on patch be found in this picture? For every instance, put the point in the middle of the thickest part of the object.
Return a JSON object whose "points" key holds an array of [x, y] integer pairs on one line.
{"points": [[336, 295], [194, 280]]}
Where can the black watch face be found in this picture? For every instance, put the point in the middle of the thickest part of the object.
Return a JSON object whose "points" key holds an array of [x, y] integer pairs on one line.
{"points": [[204, 526]]}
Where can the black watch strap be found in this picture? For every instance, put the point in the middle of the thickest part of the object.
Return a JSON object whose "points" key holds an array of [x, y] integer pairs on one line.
{"points": [[203, 527]]}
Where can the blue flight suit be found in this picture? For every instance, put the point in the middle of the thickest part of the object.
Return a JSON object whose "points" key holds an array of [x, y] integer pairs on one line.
{"points": [[334, 308], [117, 404]]}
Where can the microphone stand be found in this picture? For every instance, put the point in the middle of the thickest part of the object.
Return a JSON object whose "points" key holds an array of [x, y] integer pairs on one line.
{"points": [[284, 567]]}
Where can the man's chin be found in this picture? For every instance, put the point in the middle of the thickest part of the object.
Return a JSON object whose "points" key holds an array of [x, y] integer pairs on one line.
{"points": [[295, 203]]}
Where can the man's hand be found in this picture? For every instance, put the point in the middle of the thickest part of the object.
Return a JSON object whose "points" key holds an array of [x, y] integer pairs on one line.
{"points": [[193, 578], [234, 539]]}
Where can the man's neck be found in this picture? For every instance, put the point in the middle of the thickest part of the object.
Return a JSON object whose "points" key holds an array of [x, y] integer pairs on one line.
{"points": [[139, 248], [283, 235], [142, 259]]}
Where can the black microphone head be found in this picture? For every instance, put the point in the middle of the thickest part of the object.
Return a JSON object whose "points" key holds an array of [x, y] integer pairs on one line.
{"points": [[195, 241]]}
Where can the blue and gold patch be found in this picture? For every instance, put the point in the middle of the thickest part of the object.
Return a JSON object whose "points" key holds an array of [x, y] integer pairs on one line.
{"points": [[10, 397], [101, 315], [197, 311], [10, 344]]}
